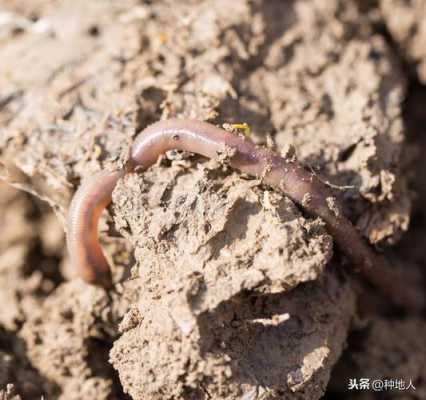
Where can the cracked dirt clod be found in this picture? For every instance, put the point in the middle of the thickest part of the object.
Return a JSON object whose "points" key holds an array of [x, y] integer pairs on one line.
{"points": [[225, 231], [288, 354]]}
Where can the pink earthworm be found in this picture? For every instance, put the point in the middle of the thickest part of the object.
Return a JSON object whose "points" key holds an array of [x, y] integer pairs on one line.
{"points": [[281, 173]]}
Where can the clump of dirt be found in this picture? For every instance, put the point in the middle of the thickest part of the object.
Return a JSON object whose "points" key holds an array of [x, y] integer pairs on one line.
{"points": [[236, 234], [224, 288], [347, 124], [203, 239], [275, 346], [68, 341]]}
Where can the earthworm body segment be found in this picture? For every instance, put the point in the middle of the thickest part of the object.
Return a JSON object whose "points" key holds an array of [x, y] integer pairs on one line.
{"points": [[284, 174]]}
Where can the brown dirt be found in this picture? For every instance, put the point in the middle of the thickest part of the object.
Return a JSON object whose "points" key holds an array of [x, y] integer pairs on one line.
{"points": [[225, 289], [406, 21]]}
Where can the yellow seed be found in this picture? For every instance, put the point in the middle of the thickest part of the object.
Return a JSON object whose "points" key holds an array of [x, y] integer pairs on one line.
{"points": [[243, 127]]}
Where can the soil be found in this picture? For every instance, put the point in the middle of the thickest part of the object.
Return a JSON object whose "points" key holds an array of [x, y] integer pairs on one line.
{"points": [[224, 289]]}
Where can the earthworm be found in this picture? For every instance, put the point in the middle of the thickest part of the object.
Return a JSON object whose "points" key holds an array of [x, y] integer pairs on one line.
{"points": [[280, 172]]}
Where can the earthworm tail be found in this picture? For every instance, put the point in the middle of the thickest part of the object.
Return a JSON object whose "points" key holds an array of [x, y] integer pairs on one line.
{"points": [[84, 249]]}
